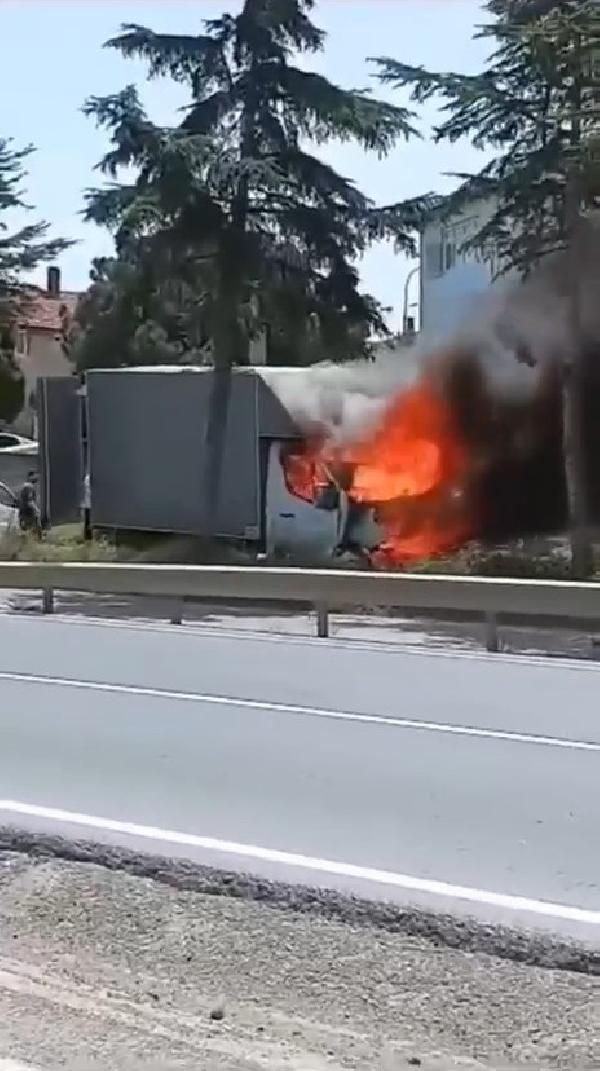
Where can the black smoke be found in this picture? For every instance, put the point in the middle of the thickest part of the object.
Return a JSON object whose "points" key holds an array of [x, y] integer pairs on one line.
{"points": [[515, 482]]}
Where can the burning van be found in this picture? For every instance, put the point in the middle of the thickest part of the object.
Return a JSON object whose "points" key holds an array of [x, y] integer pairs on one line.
{"points": [[402, 479], [449, 457], [143, 448], [389, 463]]}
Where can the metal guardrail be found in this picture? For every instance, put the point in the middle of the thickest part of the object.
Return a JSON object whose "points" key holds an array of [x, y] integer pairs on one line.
{"points": [[325, 590]]}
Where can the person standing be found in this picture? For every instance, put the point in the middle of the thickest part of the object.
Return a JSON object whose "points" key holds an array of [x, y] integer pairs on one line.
{"points": [[29, 513], [86, 506]]}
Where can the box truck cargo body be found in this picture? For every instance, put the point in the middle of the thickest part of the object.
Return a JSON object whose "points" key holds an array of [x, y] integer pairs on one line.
{"points": [[146, 432], [142, 443]]}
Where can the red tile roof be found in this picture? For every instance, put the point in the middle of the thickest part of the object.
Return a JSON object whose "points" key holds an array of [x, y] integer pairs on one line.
{"points": [[44, 312]]}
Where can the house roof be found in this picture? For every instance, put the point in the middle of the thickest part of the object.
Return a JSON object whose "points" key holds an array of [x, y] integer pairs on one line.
{"points": [[44, 312]]}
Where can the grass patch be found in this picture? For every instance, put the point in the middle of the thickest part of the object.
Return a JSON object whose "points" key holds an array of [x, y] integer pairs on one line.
{"points": [[62, 544], [516, 561], [538, 560]]}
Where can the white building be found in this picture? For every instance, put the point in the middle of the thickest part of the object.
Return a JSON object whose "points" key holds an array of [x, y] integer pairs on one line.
{"points": [[450, 280]]}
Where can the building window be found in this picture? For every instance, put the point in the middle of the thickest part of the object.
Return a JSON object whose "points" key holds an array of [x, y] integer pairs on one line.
{"points": [[22, 342], [442, 253], [450, 256], [434, 259]]}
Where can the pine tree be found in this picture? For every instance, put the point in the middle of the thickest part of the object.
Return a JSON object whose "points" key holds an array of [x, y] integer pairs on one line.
{"points": [[233, 202], [20, 251], [127, 317], [537, 106]]}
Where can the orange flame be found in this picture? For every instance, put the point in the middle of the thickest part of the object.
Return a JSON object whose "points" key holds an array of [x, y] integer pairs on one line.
{"points": [[301, 472], [411, 468]]}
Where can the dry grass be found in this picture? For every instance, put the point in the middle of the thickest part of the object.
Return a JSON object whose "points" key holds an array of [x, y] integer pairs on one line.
{"points": [[62, 544], [519, 560], [542, 560]]}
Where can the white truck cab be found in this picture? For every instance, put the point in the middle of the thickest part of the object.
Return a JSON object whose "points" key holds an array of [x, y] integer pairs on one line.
{"points": [[294, 526]]}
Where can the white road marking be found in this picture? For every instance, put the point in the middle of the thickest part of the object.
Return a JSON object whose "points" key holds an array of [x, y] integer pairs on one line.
{"points": [[14, 1065], [294, 710], [307, 862]]}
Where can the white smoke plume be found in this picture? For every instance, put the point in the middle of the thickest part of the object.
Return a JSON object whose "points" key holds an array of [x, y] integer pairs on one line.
{"points": [[346, 400], [512, 331], [343, 399]]}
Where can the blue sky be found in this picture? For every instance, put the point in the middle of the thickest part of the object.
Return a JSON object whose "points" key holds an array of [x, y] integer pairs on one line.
{"points": [[52, 60]]}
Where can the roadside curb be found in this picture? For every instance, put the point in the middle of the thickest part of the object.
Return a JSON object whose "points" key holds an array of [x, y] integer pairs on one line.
{"points": [[464, 934]]}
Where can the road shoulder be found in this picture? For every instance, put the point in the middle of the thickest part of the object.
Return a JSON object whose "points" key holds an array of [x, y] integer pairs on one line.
{"points": [[125, 968]]}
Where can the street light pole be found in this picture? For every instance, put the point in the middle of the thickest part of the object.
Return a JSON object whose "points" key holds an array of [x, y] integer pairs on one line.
{"points": [[409, 279]]}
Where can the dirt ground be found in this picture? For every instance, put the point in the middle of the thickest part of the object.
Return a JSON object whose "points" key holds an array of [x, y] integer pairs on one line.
{"points": [[104, 969]]}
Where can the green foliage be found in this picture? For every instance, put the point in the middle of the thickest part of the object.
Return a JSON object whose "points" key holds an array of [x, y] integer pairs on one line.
{"points": [[20, 251], [12, 384], [232, 205], [537, 105], [128, 318], [231, 214]]}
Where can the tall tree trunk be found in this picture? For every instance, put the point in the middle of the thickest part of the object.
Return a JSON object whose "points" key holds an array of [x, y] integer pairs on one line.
{"points": [[575, 475], [214, 447], [572, 380], [230, 348], [572, 405], [224, 359]]}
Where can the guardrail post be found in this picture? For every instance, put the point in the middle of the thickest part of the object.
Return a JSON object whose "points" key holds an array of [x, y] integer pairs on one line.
{"points": [[492, 643], [322, 620], [48, 600]]}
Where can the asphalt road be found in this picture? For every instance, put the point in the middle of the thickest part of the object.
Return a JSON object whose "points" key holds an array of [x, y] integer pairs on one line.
{"points": [[468, 780]]}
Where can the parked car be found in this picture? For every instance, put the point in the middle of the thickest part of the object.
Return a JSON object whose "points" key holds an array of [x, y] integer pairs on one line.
{"points": [[9, 509], [9, 440]]}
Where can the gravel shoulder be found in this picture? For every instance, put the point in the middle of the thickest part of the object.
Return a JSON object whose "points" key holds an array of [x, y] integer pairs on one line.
{"points": [[101, 965]]}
